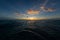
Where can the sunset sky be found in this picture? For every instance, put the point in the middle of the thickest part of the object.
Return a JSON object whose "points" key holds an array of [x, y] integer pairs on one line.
{"points": [[18, 9]]}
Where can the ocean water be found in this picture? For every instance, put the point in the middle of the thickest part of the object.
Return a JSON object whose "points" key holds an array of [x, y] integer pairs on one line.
{"points": [[29, 30]]}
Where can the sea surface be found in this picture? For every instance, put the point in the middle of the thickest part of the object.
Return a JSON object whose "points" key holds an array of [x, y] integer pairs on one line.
{"points": [[28, 29]]}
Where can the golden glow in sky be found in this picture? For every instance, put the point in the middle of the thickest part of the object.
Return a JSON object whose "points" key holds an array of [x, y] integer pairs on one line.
{"points": [[33, 18]]}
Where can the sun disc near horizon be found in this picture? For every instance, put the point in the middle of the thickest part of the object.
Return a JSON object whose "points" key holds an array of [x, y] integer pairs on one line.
{"points": [[32, 18]]}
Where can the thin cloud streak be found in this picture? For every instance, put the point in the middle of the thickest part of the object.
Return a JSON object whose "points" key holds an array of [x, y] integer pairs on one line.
{"points": [[33, 11], [47, 9]]}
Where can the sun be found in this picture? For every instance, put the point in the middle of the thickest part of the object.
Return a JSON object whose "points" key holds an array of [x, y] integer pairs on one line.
{"points": [[31, 18]]}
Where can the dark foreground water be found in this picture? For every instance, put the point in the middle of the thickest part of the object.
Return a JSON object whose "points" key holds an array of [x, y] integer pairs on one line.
{"points": [[29, 30]]}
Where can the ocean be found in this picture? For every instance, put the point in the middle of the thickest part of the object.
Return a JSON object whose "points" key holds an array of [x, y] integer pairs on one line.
{"points": [[29, 29]]}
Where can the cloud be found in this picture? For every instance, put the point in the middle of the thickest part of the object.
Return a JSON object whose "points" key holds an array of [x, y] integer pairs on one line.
{"points": [[43, 8], [33, 11], [51, 10]]}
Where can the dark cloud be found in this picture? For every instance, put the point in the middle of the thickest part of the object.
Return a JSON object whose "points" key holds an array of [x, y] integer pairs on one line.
{"points": [[47, 9]]}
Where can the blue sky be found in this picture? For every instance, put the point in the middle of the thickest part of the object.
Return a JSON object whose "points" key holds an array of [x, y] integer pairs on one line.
{"points": [[31, 8]]}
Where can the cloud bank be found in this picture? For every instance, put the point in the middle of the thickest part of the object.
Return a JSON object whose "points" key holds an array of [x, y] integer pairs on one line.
{"points": [[33, 11]]}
